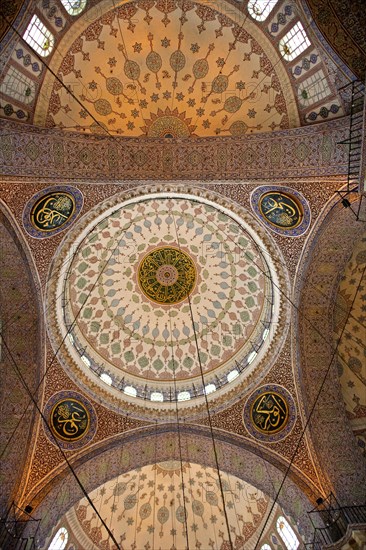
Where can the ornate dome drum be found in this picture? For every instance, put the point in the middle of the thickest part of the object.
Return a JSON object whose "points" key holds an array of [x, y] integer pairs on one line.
{"points": [[164, 297]]}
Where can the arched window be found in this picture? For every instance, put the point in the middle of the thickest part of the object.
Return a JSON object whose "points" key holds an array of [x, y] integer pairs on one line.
{"points": [[287, 534], [183, 396], [106, 378], [39, 38], [74, 7], [130, 390], [59, 541], [266, 547], [157, 396], [260, 9], [294, 42], [313, 89], [18, 86]]}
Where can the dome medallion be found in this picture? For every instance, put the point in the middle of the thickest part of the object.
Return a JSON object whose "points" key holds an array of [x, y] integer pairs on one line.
{"points": [[167, 275], [165, 297]]}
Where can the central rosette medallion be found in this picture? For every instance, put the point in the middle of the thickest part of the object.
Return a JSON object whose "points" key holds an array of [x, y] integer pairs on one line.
{"points": [[167, 275]]}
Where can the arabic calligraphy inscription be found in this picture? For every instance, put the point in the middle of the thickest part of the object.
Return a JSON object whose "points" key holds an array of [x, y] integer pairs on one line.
{"points": [[269, 413], [167, 275], [69, 420], [52, 211], [281, 209]]}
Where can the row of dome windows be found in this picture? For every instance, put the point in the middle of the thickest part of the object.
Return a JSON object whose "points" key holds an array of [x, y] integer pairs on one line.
{"points": [[158, 396], [284, 529], [40, 39]]}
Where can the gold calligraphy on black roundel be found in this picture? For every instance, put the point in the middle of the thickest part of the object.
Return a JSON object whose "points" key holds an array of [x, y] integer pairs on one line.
{"points": [[281, 209], [69, 420], [52, 211], [167, 275], [269, 413]]}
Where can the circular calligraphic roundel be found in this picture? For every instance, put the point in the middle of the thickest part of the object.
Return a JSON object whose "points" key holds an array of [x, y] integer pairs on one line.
{"points": [[167, 275], [280, 209], [52, 210], [283, 210], [71, 418], [122, 278], [269, 413]]}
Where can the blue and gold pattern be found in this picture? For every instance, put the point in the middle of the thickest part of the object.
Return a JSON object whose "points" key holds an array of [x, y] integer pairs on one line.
{"points": [[71, 419], [269, 413], [283, 210], [52, 210]]}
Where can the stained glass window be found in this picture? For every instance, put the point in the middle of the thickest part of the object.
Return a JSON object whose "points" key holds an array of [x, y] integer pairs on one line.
{"points": [[74, 7], [294, 42], [266, 547], [59, 541], [18, 86], [287, 534], [260, 9], [313, 89], [39, 38]]}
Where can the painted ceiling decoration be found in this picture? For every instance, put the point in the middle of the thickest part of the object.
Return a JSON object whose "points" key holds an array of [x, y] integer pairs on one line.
{"points": [[342, 23], [124, 276], [269, 413], [71, 418], [281, 209], [171, 70], [10, 9], [52, 210], [167, 275], [175, 69], [174, 330], [352, 351], [146, 518]]}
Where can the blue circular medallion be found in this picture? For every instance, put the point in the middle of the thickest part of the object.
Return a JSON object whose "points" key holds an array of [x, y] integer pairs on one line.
{"points": [[52, 210], [283, 210]]}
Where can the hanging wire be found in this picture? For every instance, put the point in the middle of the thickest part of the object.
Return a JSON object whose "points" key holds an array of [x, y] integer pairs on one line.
{"points": [[32, 396], [184, 498], [280, 60], [207, 405], [59, 80], [155, 476], [69, 329], [310, 413], [66, 460]]}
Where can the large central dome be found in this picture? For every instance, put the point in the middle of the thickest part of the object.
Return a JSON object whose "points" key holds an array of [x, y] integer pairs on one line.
{"points": [[166, 294]]}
